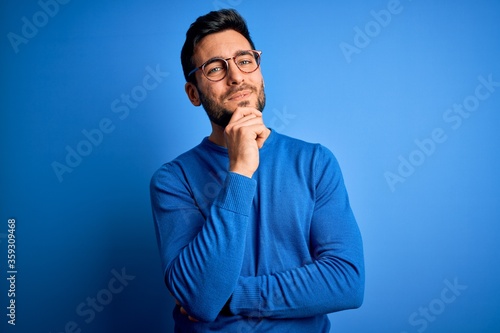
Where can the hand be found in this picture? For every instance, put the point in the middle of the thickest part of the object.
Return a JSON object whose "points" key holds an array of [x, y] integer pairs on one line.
{"points": [[184, 312], [245, 135]]}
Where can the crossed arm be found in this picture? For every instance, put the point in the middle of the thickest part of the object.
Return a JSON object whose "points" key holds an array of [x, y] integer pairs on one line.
{"points": [[203, 256], [204, 259]]}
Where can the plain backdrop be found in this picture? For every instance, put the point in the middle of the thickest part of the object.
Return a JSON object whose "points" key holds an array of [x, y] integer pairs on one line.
{"points": [[405, 93]]}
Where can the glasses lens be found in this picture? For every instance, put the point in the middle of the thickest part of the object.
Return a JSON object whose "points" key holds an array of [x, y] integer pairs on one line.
{"points": [[215, 69], [248, 61]]}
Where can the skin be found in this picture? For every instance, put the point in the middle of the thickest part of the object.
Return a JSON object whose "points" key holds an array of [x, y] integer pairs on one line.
{"points": [[240, 94]]}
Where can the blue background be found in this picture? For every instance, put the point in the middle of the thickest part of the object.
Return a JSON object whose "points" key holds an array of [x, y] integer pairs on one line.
{"points": [[436, 227]]}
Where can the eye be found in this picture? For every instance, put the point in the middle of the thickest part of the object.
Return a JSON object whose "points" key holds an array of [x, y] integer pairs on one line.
{"points": [[213, 70], [245, 61], [215, 67]]}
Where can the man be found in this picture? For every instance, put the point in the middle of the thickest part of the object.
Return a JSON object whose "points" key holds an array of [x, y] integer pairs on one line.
{"points": [[255, 229]]}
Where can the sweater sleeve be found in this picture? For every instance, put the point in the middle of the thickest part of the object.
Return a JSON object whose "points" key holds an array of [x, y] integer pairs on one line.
{"points": [[334, 280], [201, 256]]}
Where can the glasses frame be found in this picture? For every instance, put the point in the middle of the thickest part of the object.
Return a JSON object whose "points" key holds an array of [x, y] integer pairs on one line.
{"points": [[226, 60]]}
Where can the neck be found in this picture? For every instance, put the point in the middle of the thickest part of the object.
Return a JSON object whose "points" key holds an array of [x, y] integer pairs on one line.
{"points": [[217, 135]]}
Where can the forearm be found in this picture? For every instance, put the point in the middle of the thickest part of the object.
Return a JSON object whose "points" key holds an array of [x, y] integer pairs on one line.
{"points": [[203, 256], [332, 278], [210, 263], [324, 286]]}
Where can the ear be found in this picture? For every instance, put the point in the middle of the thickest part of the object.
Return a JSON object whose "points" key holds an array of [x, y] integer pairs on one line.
{"points": [[192, 93]]}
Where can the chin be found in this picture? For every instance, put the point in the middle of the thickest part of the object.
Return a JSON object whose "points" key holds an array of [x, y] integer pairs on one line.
{"points": [[243, 104]]}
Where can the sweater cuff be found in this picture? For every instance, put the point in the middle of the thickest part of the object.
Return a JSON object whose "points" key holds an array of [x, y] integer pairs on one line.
{"points": [[237, 194], [246, 298]]}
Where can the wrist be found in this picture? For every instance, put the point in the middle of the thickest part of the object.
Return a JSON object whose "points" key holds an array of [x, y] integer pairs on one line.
{"points": [[242, 171]]}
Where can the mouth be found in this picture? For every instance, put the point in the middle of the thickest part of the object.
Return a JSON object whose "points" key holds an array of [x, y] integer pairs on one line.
{"points": [[240, 95]]}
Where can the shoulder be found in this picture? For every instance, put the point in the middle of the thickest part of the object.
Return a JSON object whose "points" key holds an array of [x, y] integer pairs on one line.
{"points": [[176, 168], [293, 146]]}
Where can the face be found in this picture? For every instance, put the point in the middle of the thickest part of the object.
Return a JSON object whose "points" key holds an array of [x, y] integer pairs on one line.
{"points": [[220, 99]]}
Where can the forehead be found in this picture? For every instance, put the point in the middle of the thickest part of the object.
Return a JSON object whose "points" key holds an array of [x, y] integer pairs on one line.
{"points": [[221, 44]]}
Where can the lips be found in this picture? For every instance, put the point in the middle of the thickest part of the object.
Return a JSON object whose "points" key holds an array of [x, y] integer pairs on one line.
{"points": [[238, 96]]}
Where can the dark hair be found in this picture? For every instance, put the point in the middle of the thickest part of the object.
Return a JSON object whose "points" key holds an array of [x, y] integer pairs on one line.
{"points": [[215, 21]]}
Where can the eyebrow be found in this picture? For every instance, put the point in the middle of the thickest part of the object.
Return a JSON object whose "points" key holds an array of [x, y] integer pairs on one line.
{"points": [[239, 52]]}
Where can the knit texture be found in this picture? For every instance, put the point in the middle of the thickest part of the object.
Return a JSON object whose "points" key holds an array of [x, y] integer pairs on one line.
{"points": [[274, 253]]}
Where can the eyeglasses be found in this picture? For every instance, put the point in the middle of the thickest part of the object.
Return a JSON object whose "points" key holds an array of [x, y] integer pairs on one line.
{"points": [[215, 69]]}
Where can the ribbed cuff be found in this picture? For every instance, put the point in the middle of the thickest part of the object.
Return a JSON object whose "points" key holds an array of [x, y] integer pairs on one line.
{"points": [[237, 194], [246, 298]]}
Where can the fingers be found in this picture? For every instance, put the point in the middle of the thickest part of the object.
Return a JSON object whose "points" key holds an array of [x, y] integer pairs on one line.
{"points": [[184, 312], [249, 118], [245, 112]]}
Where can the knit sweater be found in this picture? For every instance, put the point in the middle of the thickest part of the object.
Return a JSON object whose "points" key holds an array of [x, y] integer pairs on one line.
{"points": [[271, 253]]}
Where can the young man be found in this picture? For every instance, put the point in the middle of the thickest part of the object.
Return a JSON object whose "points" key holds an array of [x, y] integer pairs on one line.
{"points": [[255, 229]]}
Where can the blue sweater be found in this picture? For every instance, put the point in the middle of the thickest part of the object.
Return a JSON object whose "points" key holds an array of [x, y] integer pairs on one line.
{"points": [[274, 253]]}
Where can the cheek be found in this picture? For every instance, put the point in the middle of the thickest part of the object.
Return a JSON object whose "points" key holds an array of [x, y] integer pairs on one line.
{"points": [[257, 75], [216, 91], [212, 92], [207, 90], [258, 81]]}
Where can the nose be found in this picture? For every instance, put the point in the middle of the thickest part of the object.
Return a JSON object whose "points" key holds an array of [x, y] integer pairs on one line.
{"points": [[234, 75]]}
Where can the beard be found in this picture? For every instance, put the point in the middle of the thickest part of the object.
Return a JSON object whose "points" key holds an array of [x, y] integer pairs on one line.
{"points": [[220, 115]]}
